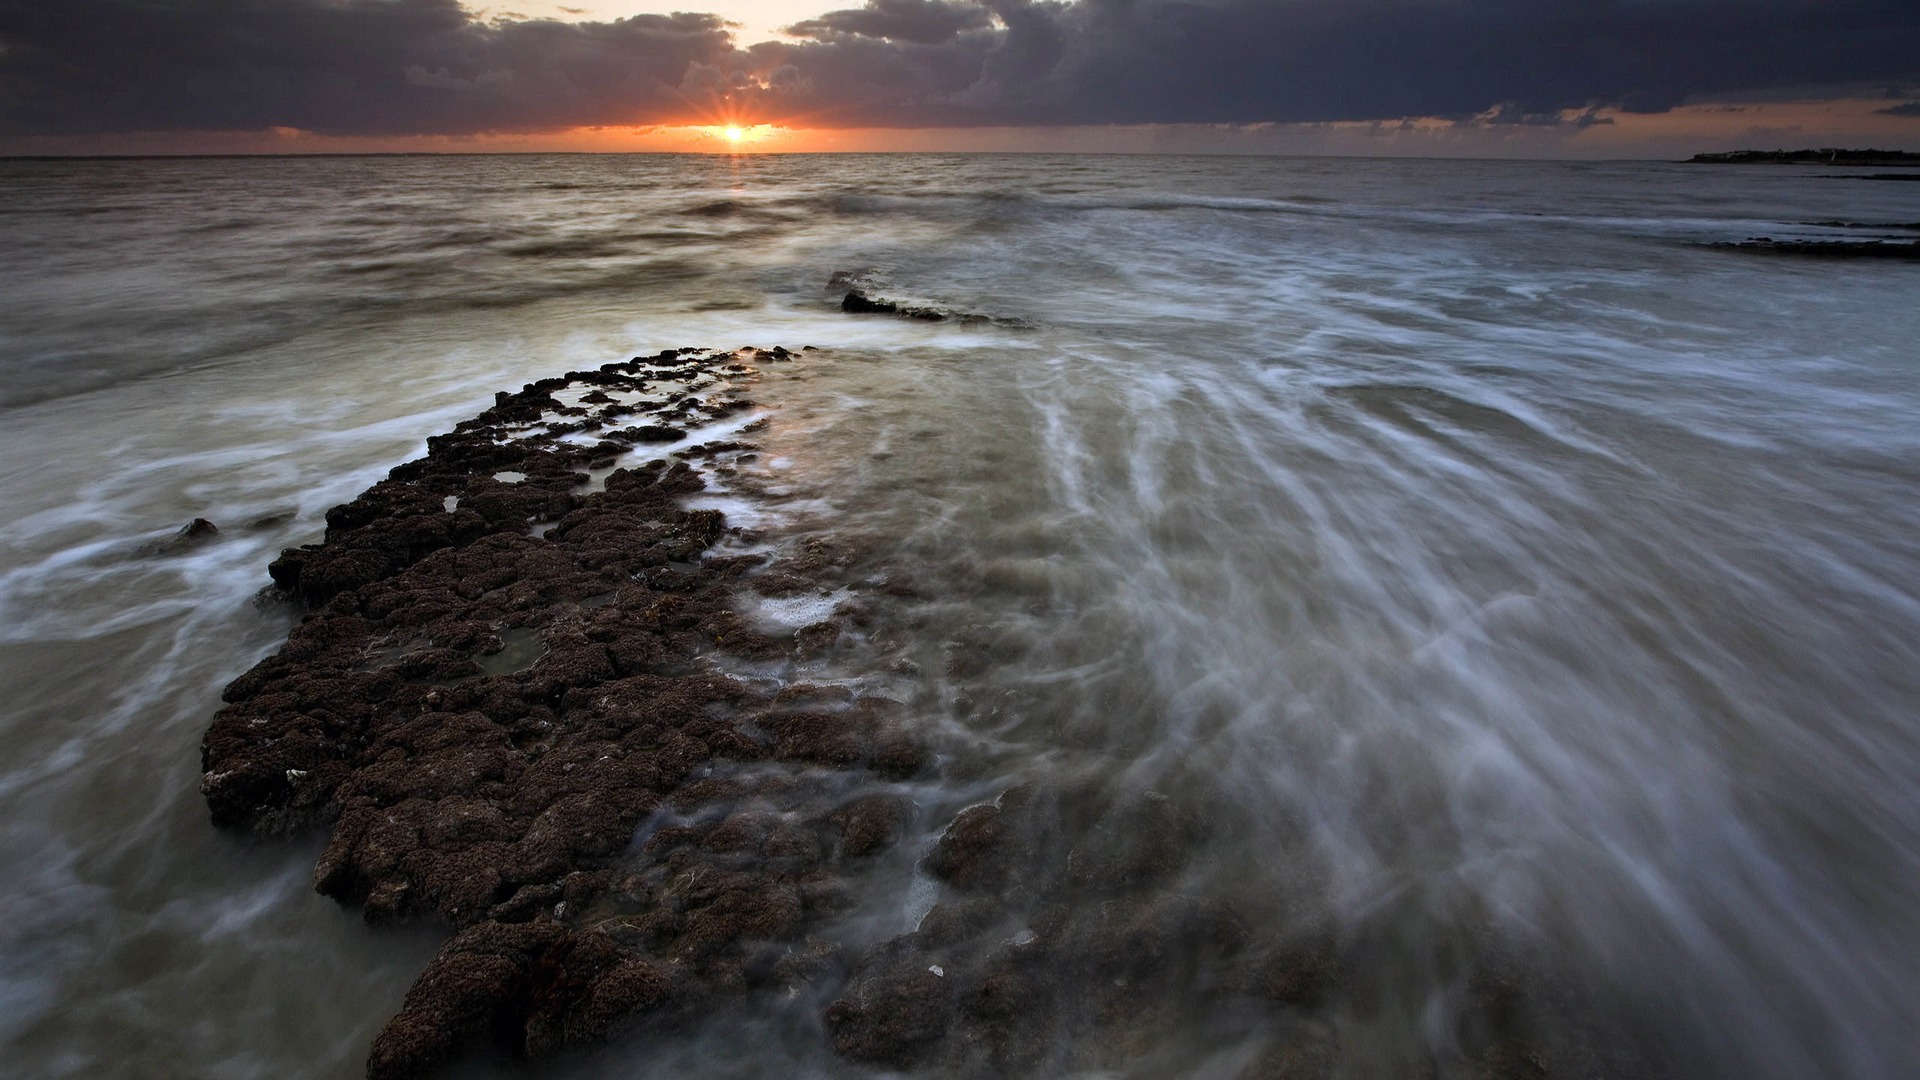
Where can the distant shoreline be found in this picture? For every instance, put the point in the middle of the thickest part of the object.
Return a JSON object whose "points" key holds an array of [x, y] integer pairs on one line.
{"points": [[1824, 156]]}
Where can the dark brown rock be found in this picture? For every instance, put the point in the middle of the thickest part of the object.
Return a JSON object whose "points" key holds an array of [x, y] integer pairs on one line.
{"points": [[895, 1009], [191, 535], [500, 792], [649, 433], [870, 824]]}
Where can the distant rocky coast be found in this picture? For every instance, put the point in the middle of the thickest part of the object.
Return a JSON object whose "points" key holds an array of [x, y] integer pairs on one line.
{"points": [[1825, 156]]}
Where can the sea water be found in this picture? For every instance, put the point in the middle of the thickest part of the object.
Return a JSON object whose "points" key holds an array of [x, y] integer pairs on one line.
{"points": [[1515, 563]]}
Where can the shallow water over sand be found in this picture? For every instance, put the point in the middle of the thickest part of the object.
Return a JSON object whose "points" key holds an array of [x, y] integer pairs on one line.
{"points": [[1503, 572]]}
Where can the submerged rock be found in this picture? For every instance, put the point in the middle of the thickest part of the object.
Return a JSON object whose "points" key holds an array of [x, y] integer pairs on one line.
{"points": [[1069, 939], [192, 535], [858, 297], [857, 302]]}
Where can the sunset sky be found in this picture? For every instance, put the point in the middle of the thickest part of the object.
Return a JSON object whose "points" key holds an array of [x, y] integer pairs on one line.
{"points": [[1547, 78]]}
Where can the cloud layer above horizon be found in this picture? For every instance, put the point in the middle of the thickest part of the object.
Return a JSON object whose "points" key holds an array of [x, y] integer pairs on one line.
{"points": [[407, 67]]}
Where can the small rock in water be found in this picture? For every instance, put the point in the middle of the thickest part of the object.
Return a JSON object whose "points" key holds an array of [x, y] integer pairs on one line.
{"points": [[649, 433], [193, 534], [858, 303]]}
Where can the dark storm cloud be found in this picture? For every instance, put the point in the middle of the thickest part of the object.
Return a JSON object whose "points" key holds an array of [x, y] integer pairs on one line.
{"points": [[924, 22], [398, 66], [1228, 61], [1252, 61], [1905, 108], [348, 66]]}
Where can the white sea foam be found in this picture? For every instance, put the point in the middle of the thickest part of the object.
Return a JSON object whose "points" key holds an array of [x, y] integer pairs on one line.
{"points": [[793, 612]]}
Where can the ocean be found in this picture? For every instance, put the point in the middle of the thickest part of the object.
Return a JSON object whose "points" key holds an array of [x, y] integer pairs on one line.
{"points": [[1515, 573]]}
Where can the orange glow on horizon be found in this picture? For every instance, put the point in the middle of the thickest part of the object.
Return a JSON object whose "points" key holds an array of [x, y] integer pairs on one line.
{"points": [[1685, 130]]}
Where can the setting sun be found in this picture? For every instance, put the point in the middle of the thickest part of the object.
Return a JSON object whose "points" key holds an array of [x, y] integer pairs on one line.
{"points": [[735, 137]]}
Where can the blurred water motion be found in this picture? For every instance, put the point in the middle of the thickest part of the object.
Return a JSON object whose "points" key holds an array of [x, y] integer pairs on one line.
{"points": [[1504, 565]]}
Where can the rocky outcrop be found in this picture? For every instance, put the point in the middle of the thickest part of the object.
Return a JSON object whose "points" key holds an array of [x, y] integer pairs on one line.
{"points": [[1823, 156], [1827, 249], [857, 302], [858, 292], [521, 736], [513, 710]]}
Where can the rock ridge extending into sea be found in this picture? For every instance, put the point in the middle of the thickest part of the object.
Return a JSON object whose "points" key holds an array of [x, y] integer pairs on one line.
{"points": [[528, 702], [514, 735]]}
